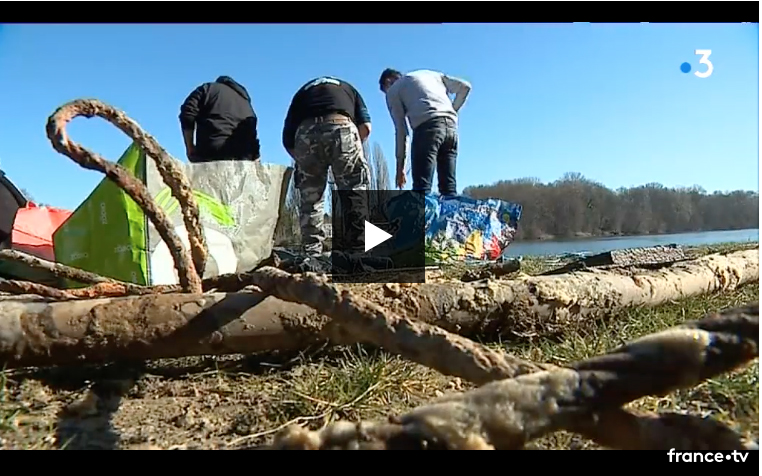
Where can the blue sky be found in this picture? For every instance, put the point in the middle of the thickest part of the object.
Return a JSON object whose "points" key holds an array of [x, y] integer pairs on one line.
{"points": [[609, 101]]}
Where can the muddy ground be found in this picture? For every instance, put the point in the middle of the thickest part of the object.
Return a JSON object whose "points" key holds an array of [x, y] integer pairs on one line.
{"points": [[240, 402]]}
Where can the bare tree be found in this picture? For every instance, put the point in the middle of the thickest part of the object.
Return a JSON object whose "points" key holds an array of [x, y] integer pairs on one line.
{"points": [[30, 198], [26, 194], [287, 231], [380, 168], [379, 174]]}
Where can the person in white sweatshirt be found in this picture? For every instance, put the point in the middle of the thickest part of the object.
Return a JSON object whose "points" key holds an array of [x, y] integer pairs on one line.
{"points": [[422, 97]]}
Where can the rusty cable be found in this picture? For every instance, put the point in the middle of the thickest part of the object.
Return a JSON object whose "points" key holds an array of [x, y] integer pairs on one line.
{"points": [[13, 286], [189, 265], [586, 398]]}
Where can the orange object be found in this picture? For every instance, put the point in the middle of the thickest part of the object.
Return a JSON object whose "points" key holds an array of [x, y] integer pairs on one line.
{"points": [[34, 227]]}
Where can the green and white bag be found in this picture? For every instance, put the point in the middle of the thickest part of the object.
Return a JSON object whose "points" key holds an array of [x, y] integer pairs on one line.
{"points": [[239, 203]]}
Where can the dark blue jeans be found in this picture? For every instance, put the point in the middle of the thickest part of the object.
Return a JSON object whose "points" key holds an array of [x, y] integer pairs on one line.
{"points": [[435, 145]]}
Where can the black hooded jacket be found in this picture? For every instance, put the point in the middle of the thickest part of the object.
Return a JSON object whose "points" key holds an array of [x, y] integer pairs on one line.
{"points": [[225, 122]]}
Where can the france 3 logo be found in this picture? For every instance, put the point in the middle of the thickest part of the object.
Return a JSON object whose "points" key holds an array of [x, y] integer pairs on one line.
{"points": [[703, 60]]}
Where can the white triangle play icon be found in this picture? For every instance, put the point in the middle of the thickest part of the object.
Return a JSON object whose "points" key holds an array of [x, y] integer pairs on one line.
{"points": [[374, 236]]}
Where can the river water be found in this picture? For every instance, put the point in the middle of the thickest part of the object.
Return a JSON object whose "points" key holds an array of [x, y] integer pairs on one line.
{"points": [[601, 245]]}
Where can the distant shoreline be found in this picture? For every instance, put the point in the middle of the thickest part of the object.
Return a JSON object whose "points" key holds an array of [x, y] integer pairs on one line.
{"points": [[581, 236], [578, 237]]}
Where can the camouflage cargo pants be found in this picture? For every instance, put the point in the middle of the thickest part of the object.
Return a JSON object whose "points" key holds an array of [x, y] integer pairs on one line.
{"points": [[322, 143]]}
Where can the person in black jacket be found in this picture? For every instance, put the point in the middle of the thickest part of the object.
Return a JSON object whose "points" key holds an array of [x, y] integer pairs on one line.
{"points": [[224, 121], [325, 127]]}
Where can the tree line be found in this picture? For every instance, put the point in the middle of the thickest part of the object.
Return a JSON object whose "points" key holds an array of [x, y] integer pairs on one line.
{"points": [[30, 198], [575, 206]]}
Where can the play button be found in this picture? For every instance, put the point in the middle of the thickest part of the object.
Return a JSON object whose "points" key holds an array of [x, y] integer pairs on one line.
{"points": [[374, 236], [391, 226]]}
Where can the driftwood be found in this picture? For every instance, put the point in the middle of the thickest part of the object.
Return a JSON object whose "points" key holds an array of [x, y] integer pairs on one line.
{"points": [[647, 256], [518, 401], [36, 331]]}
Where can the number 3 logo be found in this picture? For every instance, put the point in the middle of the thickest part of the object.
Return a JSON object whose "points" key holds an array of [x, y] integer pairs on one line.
{"points": [[705, 60]]}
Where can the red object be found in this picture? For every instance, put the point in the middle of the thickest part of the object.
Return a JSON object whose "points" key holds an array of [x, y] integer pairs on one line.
{"points": [[493, 248], [34, 227]]}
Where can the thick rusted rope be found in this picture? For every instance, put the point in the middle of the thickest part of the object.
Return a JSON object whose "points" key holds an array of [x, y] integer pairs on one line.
{"points": [[190, 270], [13, 286], [585, 398], [530, 399]]}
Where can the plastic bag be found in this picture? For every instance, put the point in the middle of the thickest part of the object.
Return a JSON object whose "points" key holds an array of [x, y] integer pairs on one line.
{"points": [[239, 203], [461, 228]]}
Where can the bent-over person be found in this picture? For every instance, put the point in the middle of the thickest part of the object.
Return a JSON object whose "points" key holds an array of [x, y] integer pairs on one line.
{"points": [[223, 119], [325, 127], [422, 97]]}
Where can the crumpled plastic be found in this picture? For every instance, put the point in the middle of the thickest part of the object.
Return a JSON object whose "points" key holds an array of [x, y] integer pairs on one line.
{"points": [[460, 228]]}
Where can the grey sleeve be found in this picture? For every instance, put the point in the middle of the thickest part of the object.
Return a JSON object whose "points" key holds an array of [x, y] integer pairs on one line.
{"points": [[459, 87], [397, 111]]}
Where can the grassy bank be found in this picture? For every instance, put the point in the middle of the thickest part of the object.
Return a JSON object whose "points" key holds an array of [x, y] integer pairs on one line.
{"points": [[239, 402]]}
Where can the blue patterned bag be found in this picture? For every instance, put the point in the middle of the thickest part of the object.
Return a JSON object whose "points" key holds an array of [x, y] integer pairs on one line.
{"points": [[464, 228], [458, 228]]}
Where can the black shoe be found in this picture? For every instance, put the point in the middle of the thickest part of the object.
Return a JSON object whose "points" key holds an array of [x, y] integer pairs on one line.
{"points": [[305, 264], [314, 264], [346, 263]]}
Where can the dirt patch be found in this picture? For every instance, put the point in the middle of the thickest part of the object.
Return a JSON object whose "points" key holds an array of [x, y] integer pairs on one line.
{"points": [[211, 403]]}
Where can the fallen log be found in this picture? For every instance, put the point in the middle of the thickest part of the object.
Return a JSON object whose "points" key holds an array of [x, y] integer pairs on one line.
{"points": [[645, 256], [35, 331], [545, 305]]}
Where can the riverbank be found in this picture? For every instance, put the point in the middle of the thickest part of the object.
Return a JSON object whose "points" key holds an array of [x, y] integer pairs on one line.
{"points": [[600, 245], [592, 236], [241, 401]]}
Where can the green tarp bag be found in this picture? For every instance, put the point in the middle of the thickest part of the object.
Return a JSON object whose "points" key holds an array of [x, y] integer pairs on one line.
{"points": [[239, 204]]}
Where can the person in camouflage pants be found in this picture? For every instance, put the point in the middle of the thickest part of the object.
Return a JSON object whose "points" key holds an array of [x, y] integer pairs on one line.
{"points": [[322, 143], [325, 128]]}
